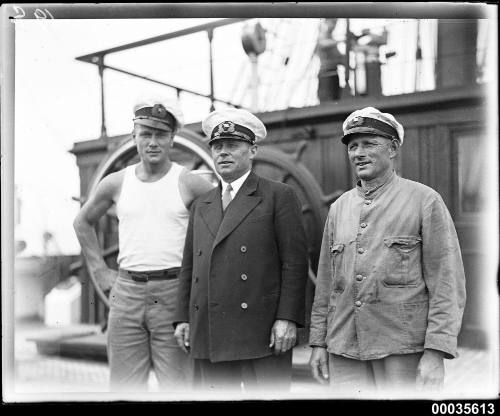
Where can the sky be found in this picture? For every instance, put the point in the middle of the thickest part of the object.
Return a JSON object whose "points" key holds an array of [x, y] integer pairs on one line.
{"points": [[57, 98]]}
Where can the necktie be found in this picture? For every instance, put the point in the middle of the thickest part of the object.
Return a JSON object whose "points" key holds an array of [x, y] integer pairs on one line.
{"points": [[226, 197]]}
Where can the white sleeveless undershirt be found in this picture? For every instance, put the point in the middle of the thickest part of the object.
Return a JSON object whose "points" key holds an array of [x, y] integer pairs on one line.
{"points": [[152, 221]]}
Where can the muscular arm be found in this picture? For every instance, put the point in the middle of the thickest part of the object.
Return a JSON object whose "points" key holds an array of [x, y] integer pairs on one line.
{"points": [[85, 223], [191, 186]]}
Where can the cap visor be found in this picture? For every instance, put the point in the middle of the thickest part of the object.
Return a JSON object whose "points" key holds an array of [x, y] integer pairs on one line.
{"points": [[364, 130], [229, 136], [154, 124]]}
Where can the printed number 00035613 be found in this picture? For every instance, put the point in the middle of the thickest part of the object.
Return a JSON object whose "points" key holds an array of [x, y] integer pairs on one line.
{"points": [[463, 408]]}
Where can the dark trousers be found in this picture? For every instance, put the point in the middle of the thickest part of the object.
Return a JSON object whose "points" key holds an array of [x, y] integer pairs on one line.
{"points": [[271, 372]]}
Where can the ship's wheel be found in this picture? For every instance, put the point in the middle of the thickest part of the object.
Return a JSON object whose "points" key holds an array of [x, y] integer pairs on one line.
{"points": [[190, 151]]}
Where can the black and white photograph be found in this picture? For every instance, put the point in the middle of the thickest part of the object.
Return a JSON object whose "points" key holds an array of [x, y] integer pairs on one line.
{"points": [[251, 202]]}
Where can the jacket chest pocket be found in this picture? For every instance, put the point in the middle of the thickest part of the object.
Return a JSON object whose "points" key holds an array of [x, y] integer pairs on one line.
{"points": [[337, 257], [402, 261]]}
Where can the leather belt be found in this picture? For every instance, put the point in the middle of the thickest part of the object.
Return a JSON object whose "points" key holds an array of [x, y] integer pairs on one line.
{"points": [[166, 274]]}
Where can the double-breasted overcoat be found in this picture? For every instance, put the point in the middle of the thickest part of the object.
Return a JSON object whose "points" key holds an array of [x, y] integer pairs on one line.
{"points": [[242, 270]]}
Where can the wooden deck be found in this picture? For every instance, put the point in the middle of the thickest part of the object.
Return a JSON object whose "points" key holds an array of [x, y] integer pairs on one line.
{"points": [[466, 376]]}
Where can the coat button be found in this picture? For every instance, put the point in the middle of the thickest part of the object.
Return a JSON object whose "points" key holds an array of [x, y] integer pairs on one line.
{"points": [[244, 277], [358, 303], [243, 249], [244, 305], [359, 277], [361, 250], [196, 307], [363, 225]]}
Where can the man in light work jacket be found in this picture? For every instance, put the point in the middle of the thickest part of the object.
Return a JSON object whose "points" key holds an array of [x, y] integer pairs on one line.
{"points": [[390, 290], [241, 294]]}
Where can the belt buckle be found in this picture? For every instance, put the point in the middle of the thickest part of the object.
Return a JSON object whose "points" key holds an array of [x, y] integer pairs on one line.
{"points": [[139, 277], [158, 275]]}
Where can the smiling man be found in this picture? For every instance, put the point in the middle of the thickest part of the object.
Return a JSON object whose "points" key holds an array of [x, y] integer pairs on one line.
{"points": [[390, 289], [152, 199], [241, 295]]}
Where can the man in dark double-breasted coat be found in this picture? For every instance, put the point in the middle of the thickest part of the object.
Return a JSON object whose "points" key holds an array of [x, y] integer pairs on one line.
{"points": [[241, 294]]}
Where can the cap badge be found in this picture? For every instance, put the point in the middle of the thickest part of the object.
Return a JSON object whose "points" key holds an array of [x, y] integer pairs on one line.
{"points": [[158, 111], [356, 121], [226, 127]]}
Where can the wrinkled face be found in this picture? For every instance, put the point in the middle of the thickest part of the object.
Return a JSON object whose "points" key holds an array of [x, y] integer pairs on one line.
{"points": [[371, 156], [153, 145], [232, 158]]}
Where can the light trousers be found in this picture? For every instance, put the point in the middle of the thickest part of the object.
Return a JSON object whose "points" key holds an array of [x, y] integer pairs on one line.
{"points": [[141, 336], [391, 373]]}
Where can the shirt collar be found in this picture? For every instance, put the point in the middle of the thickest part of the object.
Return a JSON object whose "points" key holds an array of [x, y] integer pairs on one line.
{"points": [[236, 184], [373, 192]]}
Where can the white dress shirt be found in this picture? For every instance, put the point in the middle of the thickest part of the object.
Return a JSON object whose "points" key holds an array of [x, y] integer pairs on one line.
{"points": [[236, 185]]}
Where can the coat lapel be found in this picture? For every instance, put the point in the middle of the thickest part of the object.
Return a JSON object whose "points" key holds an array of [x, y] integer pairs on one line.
{"points": [[239, 208], [211, 210]]}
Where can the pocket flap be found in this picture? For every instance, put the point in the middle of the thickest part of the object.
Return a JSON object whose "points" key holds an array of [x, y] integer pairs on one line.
{"points": [[402, 241]]}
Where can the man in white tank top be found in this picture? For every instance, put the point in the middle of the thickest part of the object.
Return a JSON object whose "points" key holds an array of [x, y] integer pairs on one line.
{"points": [[152, 200]]}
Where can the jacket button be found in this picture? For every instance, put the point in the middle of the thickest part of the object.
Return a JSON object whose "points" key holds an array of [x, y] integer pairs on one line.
{"points": [[363, 225], [244, 305], [358, 303], [359, 277], [196, 307], [244, 277], [243, 249], [361, 250]]}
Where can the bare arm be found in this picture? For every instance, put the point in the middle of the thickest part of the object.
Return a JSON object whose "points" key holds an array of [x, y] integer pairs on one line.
{"points": [[85, 223], [192, 186]]}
